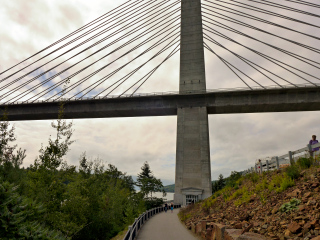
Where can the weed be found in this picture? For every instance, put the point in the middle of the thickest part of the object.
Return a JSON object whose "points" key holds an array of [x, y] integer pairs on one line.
{"points": [[305, 162], [293, 171], [286, 183], [289, 206]]}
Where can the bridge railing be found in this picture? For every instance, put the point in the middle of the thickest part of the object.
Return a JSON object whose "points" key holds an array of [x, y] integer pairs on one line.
{"points": [[142, 219], [171, 93], [278, 162]]}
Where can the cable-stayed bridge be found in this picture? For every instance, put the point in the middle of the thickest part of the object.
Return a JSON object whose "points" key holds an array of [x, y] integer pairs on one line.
{"points": [[102, 69]]}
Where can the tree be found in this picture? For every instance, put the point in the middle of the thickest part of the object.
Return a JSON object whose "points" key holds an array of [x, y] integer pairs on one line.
{"points": [[148, 183], [221, 182], [10, 162], [51, 156]]}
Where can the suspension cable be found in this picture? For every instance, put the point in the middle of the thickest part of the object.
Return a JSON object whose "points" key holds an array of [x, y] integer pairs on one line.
{"points": [[304, 3], [117, 70], [141, 26], [294, 55], [73, 33], [272, 4], [226, 63], [261, 30], [269, 59], [132, 23], [246, 15], [261, 10], [74, 40], [207, 37], [92, 74]]}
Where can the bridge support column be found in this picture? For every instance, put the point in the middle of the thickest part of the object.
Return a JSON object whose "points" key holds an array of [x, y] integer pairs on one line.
{"points": [[193, 171]]}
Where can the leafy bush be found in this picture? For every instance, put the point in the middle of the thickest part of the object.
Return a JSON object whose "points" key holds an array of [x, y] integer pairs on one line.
{"points": [[253, 177], [305, 162], [293, 171], [262, 185], [286, 183], [289, 206]]}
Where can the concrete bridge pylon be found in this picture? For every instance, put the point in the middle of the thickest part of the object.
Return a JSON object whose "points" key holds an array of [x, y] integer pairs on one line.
{"points": [[193, 170]]}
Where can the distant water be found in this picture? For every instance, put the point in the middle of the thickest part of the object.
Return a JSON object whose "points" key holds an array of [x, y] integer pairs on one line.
{"points": [[169, 196]]}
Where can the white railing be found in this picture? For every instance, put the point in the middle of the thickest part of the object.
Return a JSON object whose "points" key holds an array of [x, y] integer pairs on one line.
{"points": [[138, 223], [277, 162]]}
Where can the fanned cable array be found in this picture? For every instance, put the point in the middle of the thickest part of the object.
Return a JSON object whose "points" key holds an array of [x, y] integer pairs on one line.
{"points": [[262, 42], [114, 54]]}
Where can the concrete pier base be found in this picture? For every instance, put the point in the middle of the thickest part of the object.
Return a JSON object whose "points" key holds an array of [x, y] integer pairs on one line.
{"points": [[193, 171]]}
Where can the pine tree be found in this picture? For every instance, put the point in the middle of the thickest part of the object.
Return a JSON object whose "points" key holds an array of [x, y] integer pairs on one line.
{"points": [[19, 216]]}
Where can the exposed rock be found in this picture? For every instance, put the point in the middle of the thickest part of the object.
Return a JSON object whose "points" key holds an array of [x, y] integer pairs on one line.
{"points": [[294, 227]]}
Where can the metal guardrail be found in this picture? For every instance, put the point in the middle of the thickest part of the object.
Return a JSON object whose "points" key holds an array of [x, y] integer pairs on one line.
{"points": [[138, 223], [315, 85], [289, 158]]}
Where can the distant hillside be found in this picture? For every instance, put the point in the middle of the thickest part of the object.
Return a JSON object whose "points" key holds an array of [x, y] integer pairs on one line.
{"points": [[170, 188]]}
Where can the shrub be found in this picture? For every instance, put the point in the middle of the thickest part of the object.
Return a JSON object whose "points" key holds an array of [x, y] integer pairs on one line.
{"points": [[253, 177], [289, 206], [286, 183], [262, 185], [305, 162], [293, 171]]}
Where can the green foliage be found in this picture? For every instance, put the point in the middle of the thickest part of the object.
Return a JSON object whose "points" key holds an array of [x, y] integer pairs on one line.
{"points": [[305, 162], [207, 204], [293, 171], [149, 184], [285, 183], [253, 177], [20, 217], [289, 206], [219, 184]]}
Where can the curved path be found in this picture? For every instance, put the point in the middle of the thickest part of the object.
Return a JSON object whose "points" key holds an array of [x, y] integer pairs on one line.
{"points": [[165, 226]]}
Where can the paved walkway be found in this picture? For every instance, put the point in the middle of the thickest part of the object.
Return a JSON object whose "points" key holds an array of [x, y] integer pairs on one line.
{"points": [[165, 226]]}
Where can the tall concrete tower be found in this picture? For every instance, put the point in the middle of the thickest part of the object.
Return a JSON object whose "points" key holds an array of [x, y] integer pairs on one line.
{"points": [[193, 171]]}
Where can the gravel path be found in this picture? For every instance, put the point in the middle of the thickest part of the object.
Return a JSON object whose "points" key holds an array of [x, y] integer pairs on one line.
{"points": [[165, 226]]}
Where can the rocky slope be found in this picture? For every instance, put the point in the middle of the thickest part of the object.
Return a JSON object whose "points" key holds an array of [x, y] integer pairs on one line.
{"points": [[256, 206]]}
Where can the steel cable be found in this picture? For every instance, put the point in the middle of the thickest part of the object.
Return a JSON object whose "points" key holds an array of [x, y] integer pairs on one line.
{"points": [[69, 35], [272, 4], [174, 51], [269, 59], [304, 3], [207, 37], [99, 82], [120, 38], [261, 10], [294, 55], [226, 63], [138, 68], [256, 52], [92, 74], [70, 42], [261, 30], [258, 19], [100, 41]]}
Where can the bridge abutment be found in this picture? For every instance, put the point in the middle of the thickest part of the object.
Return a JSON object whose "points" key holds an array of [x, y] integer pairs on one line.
{"points": [[193, 171]]}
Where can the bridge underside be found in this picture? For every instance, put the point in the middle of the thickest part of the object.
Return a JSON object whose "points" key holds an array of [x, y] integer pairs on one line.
{"points": [[280, 100]]}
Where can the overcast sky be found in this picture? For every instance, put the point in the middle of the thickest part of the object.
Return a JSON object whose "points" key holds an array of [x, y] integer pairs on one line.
{"points": [[236, 140]]}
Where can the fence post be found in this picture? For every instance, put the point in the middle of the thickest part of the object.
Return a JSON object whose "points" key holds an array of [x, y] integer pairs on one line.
{"points": [[290, 158], [252, 169], [310, 149], [277, 161], [260, 167], [255, 166], [267, 161], [130, 232]]}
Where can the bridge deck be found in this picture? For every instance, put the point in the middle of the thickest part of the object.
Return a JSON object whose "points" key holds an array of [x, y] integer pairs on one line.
{"points": [[271, 100], [165, 226]]}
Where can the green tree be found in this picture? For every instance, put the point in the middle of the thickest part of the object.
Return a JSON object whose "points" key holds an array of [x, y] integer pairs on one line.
{"points": [[148, 183], [221, 182], [10, 162], [20, 217]]}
